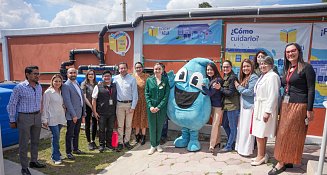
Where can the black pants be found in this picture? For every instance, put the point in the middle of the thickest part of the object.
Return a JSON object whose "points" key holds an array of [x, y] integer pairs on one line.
{"points": [[88, 126], [106, 125], [72, 135]]}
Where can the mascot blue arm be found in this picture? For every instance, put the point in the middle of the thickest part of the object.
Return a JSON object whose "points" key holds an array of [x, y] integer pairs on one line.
{"points": [[188, 106]]}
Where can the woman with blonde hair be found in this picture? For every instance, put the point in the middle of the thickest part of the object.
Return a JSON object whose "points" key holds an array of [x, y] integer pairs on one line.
{"points": [[53, 115], [244, 140]]}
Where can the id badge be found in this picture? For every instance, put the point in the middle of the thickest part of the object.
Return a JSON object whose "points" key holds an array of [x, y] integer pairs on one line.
{"points": [[111, 102], [286, 99]]}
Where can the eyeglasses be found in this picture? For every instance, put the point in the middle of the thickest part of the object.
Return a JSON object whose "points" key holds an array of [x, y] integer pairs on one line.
{"points": [[291, 51], [226, 67], [36, 74]]}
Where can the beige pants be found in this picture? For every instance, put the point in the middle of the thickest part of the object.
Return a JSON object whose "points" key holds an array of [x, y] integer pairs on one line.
{"points": [[124, 117], [216, 114]]}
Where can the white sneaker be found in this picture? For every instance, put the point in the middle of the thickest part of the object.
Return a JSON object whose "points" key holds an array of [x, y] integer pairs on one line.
{"points": [[58, 162], [62, 157], [151, 150], [159, 148]]}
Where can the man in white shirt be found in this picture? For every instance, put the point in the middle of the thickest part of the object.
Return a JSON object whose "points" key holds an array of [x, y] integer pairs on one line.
{"points": [[126, 102]]}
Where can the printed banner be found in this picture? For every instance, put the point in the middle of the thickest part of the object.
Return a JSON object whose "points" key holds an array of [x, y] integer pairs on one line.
{"points": [[119, 42], [318, 60], [207, 32], [244, 40]]}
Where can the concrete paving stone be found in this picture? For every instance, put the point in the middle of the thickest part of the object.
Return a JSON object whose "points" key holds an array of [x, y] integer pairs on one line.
{"points": [[233, 161], [221, 157], [185, 173], [245, 166], [158, 170], [155, 163], [207, 160], [177, 168], [168, 162], [295, 171], [198, 157], [229, 172], [182, 159]]}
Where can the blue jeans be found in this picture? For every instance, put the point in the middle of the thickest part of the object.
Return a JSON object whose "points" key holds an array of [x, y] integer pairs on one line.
{"points": [[230, 120], [55, 130]]}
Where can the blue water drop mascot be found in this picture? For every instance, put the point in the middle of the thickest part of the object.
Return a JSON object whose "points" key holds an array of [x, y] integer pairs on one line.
{"points": [[188, 106]]}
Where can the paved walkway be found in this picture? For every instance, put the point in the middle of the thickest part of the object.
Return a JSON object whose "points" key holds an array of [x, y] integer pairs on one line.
{"points": [[178, 161]]}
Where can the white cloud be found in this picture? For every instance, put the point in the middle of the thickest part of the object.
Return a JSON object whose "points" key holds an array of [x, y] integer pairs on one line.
{"points": [[183, 4], [19, 14], [98, 11]]}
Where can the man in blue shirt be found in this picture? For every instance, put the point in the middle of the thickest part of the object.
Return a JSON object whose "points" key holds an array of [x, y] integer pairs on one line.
{"points": [[26, 101]]}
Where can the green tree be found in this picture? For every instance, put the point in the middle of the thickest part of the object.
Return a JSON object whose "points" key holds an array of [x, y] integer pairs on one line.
{"points": [[206, 5], [324, 0]]}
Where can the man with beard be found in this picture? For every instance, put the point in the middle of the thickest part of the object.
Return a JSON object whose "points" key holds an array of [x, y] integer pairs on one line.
{"points": [[104, 100], [75, 111], [26, 101]]}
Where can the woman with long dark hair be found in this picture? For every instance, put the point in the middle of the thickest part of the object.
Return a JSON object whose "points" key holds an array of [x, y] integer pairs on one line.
{"points": [[297, 108], [87, 86], [244, 140], [216, 104]]}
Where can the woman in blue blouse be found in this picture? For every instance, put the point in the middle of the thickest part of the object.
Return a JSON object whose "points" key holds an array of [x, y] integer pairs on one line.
{"points": [[244, 140], [216, 110]]}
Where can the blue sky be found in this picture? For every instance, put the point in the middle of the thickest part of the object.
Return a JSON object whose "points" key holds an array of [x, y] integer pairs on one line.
{"points": [[46, 13]]}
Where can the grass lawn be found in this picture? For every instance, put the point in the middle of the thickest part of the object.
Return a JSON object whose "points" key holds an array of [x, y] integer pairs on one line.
{"points": [[92, 162]]}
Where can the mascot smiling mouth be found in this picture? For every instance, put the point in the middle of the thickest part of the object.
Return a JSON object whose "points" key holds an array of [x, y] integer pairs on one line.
{"points": [[185, 99]]}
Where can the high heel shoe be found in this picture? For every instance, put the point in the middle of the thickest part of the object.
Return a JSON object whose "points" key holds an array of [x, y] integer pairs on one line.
{"points": [[211, 149], [263, 160]]}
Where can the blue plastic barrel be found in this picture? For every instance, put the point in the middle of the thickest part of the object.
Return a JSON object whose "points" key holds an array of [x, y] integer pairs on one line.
{"points": [[8, 84], [9, 136]]}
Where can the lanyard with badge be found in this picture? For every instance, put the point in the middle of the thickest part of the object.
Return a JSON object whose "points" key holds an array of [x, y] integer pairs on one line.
{"points": [[111, 102], [288, 77]]}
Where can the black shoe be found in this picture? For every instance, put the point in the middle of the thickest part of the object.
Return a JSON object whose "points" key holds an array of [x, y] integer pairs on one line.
{"points": [[91, 147], [25, 171], [78, 152], [276, 171], [120, 147], [36, 165], [288, 165], [70, 156], [218, 145], [138, 137], [128, 146], [143, 139], [101, 149], [110, 147], [94, 145]]}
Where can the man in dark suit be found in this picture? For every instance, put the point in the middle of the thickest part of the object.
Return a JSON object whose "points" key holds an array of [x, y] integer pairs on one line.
{"points": [[75, 111]]}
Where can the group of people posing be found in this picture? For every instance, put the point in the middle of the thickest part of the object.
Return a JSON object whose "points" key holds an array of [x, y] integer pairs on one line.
{"points": [[249, 107], [254, 107], [125, 99]]}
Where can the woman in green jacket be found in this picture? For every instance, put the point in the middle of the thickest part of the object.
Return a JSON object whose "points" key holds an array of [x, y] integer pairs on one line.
{"points": [[156, 96]]}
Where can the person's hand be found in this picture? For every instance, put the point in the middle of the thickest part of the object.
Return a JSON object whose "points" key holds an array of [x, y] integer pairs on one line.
{"points": [[266, 116], [131, 110], [96, 115], [45, 125], [83, 119], [310, 115], [153, 110], [217, 86], [74, 119], [13, 125], [156, 109], [236, 84]]}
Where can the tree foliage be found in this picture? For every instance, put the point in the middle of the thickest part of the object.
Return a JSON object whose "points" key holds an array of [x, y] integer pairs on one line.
{"points": [[204, 5]]}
